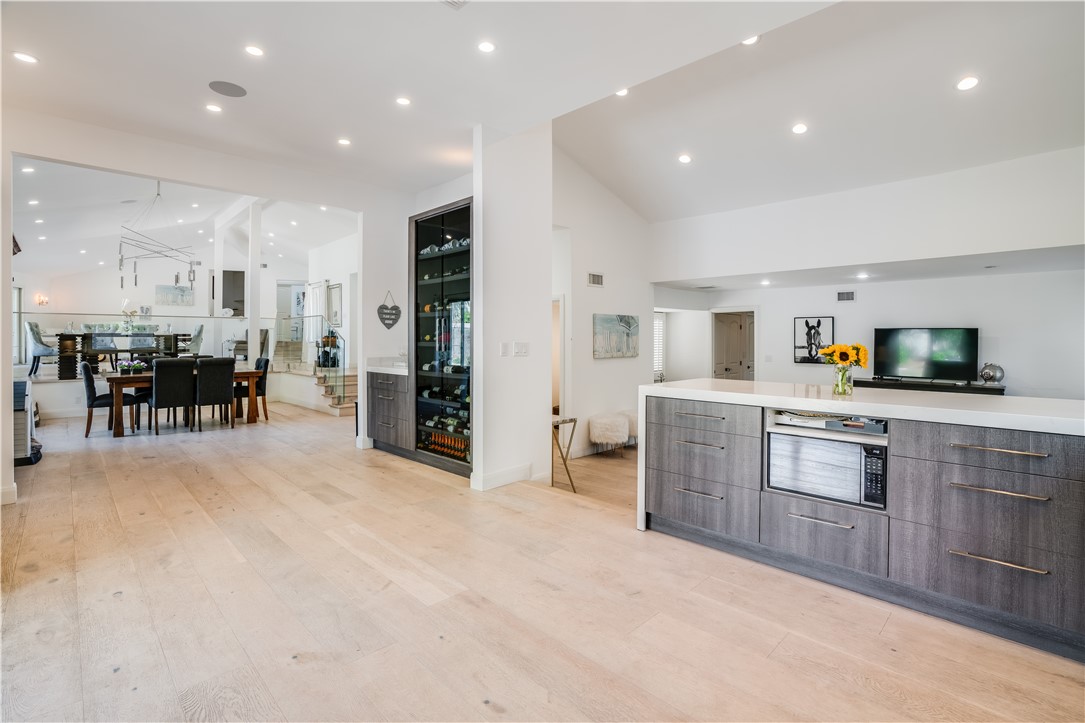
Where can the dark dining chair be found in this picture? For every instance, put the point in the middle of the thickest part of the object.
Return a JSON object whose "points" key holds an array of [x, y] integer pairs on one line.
{"points": [[241, 392], [103, 401], [172, 387], [215, 386], [38, 347]]}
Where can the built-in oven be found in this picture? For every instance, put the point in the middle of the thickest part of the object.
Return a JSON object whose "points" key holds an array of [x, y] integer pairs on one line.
{"points": [[844, 464]]}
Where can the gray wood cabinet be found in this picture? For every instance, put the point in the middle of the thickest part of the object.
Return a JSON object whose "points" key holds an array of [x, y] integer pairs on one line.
{"points": [[1036, 584], [711, 506], [1050, 455], [388, 409], [839, 534], [709, 416], [1041, 512], [727, 458]]}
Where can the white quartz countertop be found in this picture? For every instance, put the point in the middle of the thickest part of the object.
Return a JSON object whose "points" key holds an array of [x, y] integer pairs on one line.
{"points": [[386, 365], [1033, 414]]}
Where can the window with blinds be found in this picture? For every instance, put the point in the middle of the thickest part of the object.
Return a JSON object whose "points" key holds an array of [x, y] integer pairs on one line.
{"points": [[658, 334]]}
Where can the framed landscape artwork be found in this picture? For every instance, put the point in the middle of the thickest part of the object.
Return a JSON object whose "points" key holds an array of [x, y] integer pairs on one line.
{"points": [[812, 333], [615, 336]]}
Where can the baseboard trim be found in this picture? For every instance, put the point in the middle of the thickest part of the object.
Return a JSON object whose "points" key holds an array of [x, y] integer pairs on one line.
{"points": [[1061, 642]]}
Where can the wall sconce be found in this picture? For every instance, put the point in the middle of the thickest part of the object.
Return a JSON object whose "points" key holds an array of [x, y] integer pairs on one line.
{"points": [[42, 300]]}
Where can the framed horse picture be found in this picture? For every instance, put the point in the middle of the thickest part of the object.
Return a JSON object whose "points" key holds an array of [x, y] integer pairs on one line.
{"points": [[812, 333]]}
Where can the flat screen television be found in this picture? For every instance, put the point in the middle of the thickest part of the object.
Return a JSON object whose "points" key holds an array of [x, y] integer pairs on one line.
{"points": [[951, 354]]}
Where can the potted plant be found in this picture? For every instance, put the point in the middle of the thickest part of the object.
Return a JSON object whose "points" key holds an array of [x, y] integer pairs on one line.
{"points": [[138, 366], [124, 367]]}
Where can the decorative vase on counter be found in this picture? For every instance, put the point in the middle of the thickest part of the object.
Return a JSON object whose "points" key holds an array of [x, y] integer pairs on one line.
{"points": [[842, 385]]}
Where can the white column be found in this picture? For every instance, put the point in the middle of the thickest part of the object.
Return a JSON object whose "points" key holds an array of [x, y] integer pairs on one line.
{"points": [[252, 282], [8, 491]]}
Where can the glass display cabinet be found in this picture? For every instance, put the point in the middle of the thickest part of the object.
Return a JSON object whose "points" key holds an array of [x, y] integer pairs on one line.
{"points": [[440, 329]]}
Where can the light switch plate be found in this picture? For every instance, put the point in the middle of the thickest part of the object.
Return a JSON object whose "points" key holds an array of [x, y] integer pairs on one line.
{"points": [[504, 348], [521, 348]]}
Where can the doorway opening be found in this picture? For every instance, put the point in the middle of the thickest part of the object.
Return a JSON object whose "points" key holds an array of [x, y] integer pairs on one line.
{"points": [[734, 345]]}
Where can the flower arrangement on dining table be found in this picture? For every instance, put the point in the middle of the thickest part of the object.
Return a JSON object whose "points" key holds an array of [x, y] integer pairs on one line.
{"points": [[131, 367], [844, 357]]}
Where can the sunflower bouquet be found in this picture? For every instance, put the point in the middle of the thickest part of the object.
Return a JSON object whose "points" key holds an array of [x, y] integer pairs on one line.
{"points": [[844, 357]]}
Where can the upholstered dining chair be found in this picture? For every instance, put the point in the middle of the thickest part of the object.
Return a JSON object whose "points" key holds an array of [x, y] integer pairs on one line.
{"points": [[215, 386], [102, 401], [38, 347], [197, 340], [172, 386], [241, 392]]}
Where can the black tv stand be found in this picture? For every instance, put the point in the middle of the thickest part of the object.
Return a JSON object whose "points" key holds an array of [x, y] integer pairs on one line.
{"points": [[931, 385]]}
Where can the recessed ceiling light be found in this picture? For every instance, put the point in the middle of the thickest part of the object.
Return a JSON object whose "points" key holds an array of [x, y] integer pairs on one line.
{"points": [[41, 238], [82, 251], [486, 46], [101, 263], [403, 101], [323, 208], [39, 220], [213, 108], [199, 230], [968, 83], [253, 50], [270, 233], [270, 243], [27, 169], [32, 203], [211, 240], [751, 41], [280, 256], [25, 57], [862, 275], [764, 282], [684, 158], [293, 223], [798, 128], [622, 93], [195, 205], [344, 141]]}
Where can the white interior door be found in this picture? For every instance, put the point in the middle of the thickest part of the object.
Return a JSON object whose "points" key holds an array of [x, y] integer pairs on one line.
{"points": [[729, 337], [749, 356]]}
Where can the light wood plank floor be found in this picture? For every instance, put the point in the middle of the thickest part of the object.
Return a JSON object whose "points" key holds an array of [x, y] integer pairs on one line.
{"points": [[273, 572]]}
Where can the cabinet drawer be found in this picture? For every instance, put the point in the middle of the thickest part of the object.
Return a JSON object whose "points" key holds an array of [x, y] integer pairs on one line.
{"points": [[1037, 584], [1050, 455], [387, 403], [840, 535], [378, 380], [391, 430], [713, 456], [1030, 510], [710, 416], [709, 505]]}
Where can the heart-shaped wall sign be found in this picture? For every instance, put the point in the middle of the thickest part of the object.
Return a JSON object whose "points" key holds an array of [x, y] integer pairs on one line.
{"points": [[389, 315]]}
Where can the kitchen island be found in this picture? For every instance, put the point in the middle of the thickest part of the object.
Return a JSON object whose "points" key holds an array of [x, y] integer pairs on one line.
{"points": [[979, 516]]}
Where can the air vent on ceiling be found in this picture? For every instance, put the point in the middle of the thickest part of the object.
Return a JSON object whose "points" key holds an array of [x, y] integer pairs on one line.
{"points": [[263, 266], [454, 4], [845, 296], [595, 279]]}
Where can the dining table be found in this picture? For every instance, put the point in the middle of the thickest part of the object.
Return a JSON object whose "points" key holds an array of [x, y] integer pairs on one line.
{"points": [[143, 380]]}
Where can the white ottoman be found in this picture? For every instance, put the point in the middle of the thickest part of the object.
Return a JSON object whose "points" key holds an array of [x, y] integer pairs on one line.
{"points": [[632, 415], [610, 430]]}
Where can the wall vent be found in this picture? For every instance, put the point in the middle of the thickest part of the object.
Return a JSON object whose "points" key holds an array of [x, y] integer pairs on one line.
{"points": [[595, 279], [263, 266], [845, 296]]}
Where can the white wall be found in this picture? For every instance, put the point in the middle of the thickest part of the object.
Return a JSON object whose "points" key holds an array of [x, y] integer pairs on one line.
{"points": [[1030, 324], [687, 350], [455, 190], [607, 237], [336, 263], [512, 227], [1032, 202]]}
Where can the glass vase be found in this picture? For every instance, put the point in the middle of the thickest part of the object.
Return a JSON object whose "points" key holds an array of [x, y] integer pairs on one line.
{"points": [[842, 385]]}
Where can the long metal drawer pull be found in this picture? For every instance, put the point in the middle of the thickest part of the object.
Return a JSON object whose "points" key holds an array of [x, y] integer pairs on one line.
{"points": [[698, 444], [384, 397], [695, 492], [385, 381], [820, 522], [1015, 566], [386, 424], [996, 449], [999, 492], [702, 416]]}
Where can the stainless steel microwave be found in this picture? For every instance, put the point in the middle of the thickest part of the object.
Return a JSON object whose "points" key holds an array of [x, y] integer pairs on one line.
{"points": [[841, 470]]}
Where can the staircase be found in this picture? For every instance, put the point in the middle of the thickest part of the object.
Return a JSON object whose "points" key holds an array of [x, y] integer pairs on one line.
{"points": [[288, 356], [340, 389]]}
